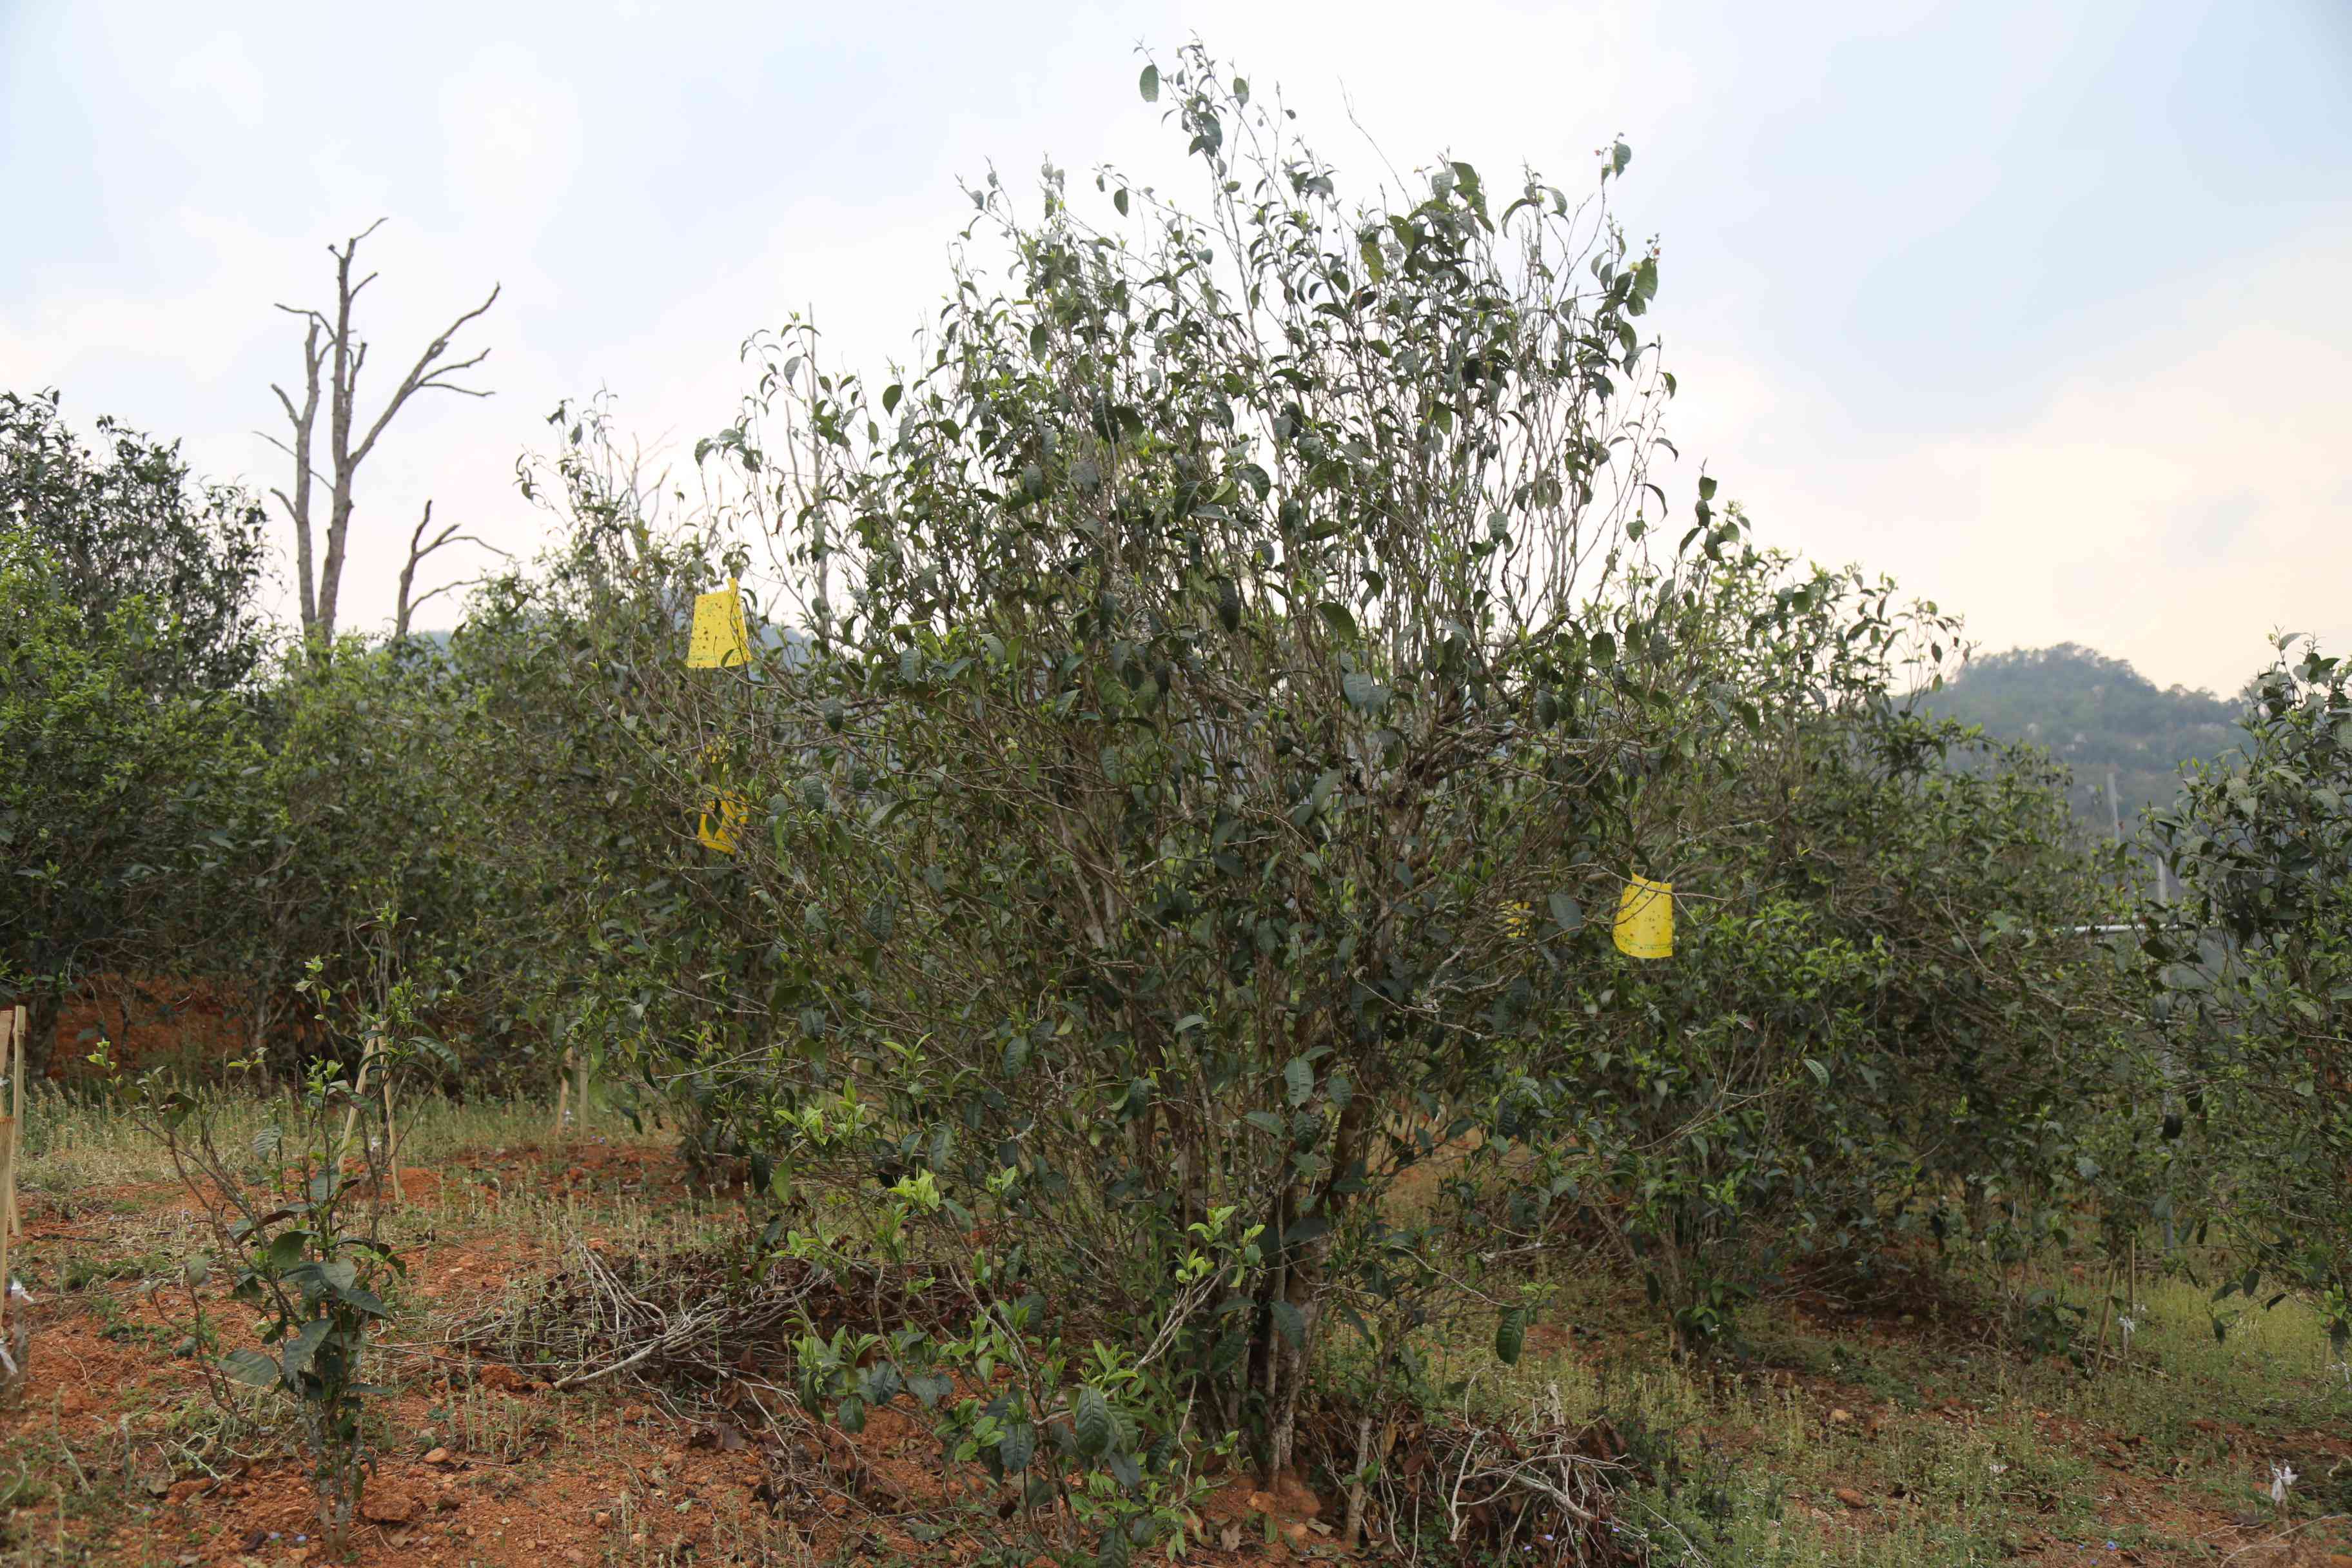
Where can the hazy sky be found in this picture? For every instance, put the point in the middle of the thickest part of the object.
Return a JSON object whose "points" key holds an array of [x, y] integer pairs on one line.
{"points": [[2046, 308]]}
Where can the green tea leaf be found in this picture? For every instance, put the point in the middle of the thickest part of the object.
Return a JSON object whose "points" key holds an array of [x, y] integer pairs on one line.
{"points": [[1511, 1335], [1090, 1421], [1014, 1449], [1290, 1323]]}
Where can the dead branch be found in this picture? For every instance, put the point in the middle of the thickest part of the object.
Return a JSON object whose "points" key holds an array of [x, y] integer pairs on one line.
{"points": [[419, 547]]}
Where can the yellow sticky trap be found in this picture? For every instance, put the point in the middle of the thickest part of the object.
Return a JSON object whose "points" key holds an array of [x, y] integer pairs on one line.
{"points": [[722, 826], [1645, 919], [724, 814], [1515, 915], [719, 637]]}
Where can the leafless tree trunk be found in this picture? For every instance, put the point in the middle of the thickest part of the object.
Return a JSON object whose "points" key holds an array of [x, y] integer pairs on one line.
{"points": [[334, 350]]}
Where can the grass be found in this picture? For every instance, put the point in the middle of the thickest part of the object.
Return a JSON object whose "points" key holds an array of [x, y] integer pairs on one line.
{"points": [[1838, 1439], [76, 1143], [1850, 1443]]}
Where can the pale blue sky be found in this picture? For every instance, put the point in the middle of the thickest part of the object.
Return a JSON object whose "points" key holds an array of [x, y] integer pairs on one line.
{"points": [[2047, 308]]}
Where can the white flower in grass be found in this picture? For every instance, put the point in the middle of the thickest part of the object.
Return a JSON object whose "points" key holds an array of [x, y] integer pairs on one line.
{"points": [[2283, 1479]]}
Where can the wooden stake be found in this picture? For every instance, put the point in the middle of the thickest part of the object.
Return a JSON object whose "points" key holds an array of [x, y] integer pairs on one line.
{"points": [[352, 1118], [563, 1096], [11, 1059], [1354, 1531], [391, 1139], [7, 1183]]}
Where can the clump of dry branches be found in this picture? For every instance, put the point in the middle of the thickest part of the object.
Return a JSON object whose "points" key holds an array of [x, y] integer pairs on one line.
{"points": [[1539, 1490], [716, 1319]]}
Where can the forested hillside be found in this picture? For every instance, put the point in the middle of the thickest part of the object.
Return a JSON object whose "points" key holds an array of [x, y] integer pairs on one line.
{"points": [[2093, 713]]}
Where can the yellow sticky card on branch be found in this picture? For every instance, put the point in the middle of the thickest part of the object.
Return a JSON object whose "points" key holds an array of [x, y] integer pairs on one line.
{"points": [[719, 637], [1645, 919], [724, 811], [722, 821]]}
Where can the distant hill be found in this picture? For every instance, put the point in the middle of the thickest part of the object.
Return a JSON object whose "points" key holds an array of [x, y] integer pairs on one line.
{"points": [[2093, 713]]}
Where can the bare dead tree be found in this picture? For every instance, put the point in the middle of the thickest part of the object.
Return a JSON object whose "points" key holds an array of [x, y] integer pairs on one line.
{"points": [[333, 353], [419, 547]]}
